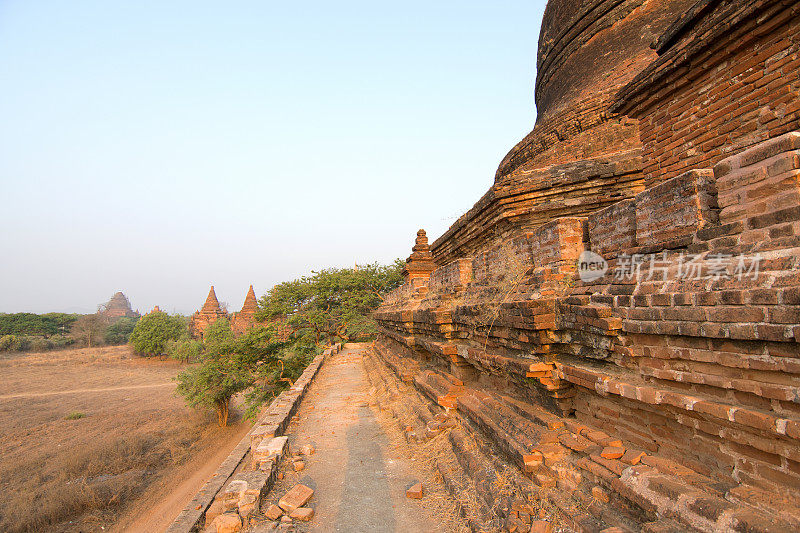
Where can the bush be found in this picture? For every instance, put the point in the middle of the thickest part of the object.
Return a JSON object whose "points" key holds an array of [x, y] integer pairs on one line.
{"points": [[21, 344], [39, 344], [7, 342], [185, 350], [61, 341], [154, 331], [120, 331]]}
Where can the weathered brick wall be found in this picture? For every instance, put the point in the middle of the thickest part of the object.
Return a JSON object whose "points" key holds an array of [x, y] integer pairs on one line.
{"points": [[664, 394], [742, 88], [695, 375], [676, 208], [528, 199], [613, 229]]}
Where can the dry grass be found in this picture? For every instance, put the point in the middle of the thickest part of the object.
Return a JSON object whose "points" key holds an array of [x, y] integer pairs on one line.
{"points": [[64, 472]]}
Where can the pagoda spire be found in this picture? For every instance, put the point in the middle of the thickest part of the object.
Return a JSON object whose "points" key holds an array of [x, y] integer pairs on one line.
{"points": [[250, 304], [212, 304]]}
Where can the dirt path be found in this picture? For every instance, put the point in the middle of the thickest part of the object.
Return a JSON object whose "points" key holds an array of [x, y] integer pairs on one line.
{"points": [[358, 478], [83, 391]]}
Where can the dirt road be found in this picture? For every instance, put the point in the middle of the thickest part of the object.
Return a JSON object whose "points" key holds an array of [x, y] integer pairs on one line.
{"points": [[83, 391]]}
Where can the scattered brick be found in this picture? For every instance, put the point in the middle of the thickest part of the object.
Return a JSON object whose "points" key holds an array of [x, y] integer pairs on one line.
{"points": [[415, 491], [296, 497]]}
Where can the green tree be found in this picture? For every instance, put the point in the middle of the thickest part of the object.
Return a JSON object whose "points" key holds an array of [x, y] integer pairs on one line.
{"points": [[120, 331], [32, 324], [184, 349], [218, 332], [229, 365], [152, 333], [333, 302]]}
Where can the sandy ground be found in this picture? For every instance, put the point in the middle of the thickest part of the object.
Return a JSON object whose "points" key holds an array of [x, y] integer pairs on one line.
{"points": [[131, 462]]}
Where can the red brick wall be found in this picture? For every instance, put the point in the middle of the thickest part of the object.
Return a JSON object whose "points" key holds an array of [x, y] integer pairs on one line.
{"points": [[675, 208], [740, 91]]}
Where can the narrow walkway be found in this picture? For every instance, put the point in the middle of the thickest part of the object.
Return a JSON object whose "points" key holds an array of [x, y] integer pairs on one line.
{"points": [[359, 481]]}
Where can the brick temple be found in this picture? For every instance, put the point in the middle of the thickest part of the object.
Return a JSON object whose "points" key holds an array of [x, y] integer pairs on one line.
{"points": [[661, 390], [118, 307], [240, 321]]}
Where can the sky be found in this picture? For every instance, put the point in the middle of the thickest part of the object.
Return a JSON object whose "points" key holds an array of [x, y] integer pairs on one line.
{"points": [[158, 148]]}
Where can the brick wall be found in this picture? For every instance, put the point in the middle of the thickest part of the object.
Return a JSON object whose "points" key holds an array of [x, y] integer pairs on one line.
{"points": [[742, 89]]}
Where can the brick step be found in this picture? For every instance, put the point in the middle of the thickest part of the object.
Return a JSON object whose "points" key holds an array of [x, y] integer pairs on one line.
{"points": [[521, 367], [611, 380], [538, 416], [577, 517], [513, 434], [473, 510], [382, 376], [475, 457], [768, 502], [439, 388], [404, 368], [598, 502]]}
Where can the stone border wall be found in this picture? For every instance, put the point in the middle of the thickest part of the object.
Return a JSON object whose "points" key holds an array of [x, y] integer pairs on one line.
{"points": [[272, 423]]}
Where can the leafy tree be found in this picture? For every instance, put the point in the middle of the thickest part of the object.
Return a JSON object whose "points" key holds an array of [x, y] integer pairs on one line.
{"points": [[329, 303], [120, 331], [88, 329], [152, 333], [33, 324], [218, 332], [229, 365], [333, 302], [184, 349]]}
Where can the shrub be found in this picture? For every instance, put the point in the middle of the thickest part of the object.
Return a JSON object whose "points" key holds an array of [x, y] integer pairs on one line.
{"points": [[185, 350], [7, 342], [61, 341], [120, 331], [21, 344], [75, 415], [39, 344], [154, 331]]}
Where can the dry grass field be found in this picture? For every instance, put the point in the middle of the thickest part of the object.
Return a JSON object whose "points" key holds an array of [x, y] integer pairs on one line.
{"points": [[90, 439]]}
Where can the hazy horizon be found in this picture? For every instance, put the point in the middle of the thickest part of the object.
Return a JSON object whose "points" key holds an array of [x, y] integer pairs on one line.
{"points": [[158, 149]]}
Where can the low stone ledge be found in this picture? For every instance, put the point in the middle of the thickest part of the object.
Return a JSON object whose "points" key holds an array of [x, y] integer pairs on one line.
{"points": [[273, 423]]}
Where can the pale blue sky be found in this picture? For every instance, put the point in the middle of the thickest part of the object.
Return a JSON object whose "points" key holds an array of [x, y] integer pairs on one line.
{"points": [[161, 147]]}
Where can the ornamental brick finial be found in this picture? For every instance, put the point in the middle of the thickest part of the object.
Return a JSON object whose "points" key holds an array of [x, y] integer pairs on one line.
{"points": [[420, 263]]}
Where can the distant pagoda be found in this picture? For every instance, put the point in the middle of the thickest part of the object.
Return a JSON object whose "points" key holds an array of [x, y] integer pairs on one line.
{"points": [[240, 321], [118, 307], [207, 315], [244, 319]]}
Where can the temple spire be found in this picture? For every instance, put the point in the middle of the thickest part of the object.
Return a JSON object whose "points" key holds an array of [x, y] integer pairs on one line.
{"points": [[250, 303], [212, 304]]}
